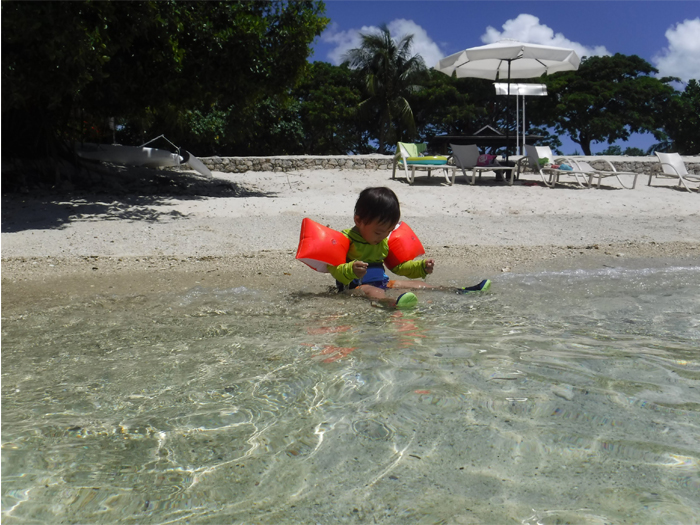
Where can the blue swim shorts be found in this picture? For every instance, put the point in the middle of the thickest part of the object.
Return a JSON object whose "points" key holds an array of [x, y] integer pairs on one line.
{"points": [[375, 276]]}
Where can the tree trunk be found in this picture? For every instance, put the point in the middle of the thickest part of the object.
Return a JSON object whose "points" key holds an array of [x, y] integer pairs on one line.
{"points": [[585, 144]]}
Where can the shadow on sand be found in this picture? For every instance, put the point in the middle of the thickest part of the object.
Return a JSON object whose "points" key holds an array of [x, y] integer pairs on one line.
{"points": [[112, 193]]}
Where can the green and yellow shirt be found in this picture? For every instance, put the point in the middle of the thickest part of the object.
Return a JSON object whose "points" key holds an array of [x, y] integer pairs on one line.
{"points": [[361, 250]]}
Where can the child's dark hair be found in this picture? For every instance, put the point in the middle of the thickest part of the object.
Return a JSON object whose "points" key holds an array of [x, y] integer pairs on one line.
{"points": [[380, 204]]}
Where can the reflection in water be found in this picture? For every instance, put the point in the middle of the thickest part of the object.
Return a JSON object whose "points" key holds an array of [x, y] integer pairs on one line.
{"points": [[557, 397]]}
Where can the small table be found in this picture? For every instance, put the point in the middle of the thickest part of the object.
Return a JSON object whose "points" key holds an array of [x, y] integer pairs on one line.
{"points": [[485, 141], [480, 169]]}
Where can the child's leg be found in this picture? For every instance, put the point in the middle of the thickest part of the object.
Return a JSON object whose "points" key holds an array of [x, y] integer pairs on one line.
{"points": [[481, 287], [413, 285], [378, 294]]}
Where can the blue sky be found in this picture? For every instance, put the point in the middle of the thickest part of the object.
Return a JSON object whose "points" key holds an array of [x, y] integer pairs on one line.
{"points": [[666, 33]]}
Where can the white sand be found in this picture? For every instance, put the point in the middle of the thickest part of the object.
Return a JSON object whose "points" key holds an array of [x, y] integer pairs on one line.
{"points": [[484, 228]]}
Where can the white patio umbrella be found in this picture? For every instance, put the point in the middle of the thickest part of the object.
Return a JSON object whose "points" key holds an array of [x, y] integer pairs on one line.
{"points": [[509, 59]]}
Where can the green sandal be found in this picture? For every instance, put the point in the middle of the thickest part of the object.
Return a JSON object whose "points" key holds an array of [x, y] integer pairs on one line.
{"points": [[406, 300], [483, 286]]}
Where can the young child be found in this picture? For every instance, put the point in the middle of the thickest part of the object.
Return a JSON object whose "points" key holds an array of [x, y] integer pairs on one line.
{"points": [[377, 212]]}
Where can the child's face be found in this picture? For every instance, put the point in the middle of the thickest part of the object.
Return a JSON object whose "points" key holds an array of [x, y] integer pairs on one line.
{"points": [[374, 231]]}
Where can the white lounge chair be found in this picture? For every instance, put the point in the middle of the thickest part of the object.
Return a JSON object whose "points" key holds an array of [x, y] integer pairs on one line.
{"points": [[409, 156], [673, 167], [581, 166], [467, 158], [550, 176]]}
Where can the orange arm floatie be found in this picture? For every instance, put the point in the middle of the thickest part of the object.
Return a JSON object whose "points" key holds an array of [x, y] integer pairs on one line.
{"points": [[404, 245], [320, 246]]}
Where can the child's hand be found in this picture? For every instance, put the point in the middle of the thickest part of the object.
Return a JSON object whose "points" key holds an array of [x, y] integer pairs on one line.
{"points": [[429, 265], [359, 268]]}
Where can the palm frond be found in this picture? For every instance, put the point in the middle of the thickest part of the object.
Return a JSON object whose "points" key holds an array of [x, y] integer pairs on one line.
{"points": [[391, 73]]}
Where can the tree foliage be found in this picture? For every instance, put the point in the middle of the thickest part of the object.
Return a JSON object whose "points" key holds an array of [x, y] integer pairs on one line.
{"points": [[329, 96], [391, 73], [67, 66], [681, 121], [607, 99], [232, 78], [317, 116], [617, 150], [447, 106]]}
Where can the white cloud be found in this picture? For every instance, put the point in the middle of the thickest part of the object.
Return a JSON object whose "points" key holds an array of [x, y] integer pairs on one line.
{"points": [[423, 45], [527, 28], [682, 56], [345, 40]]}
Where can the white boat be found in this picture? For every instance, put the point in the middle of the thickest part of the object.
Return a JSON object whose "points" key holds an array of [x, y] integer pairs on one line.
{"points": [[140, 156]]}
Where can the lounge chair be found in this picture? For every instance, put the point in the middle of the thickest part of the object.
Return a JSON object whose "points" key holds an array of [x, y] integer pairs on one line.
{"points": [[467, 158], [582, 167], [674, 168], [539, 156], [409, 156]]}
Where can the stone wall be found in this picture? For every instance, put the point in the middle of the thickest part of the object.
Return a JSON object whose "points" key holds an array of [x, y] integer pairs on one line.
{"points": [[645, 165], [297, 163]]}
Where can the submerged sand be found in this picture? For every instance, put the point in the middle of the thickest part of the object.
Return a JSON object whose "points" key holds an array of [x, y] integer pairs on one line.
{"points": [[243, 229]]}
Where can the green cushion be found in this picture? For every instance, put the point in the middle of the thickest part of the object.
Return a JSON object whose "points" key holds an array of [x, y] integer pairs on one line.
{"points": [[426, 160], [413, 149]]}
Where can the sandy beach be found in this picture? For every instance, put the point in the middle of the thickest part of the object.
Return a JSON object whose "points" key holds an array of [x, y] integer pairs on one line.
{"points": [[243, 229]]}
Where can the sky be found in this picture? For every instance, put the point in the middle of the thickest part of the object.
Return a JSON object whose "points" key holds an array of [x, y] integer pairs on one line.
{"points": [[666, 33]]}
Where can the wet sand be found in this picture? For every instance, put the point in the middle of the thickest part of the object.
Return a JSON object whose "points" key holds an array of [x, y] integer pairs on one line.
{"points": [[182, 231]]}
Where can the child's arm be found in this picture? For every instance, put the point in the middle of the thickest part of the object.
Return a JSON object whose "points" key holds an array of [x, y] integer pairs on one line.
{"points": [[346, 272], [359, 268], [416, 269]]}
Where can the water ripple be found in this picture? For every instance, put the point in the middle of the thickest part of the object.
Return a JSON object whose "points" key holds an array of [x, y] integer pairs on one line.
{"points": [[570, 396]]}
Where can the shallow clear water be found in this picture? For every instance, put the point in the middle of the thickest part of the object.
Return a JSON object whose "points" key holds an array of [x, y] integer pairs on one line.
{"points": [[556, 398]]}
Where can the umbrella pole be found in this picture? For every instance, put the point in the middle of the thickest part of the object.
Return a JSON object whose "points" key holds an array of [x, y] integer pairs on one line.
{"points": [[522, 149], [508, 114], [517, 120]]}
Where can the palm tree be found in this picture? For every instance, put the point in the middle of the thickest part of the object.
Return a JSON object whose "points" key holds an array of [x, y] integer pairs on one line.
{"points": [[390, 73]]}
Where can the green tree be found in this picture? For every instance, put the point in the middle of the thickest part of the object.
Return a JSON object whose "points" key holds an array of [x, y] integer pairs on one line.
{"points": [[328, 95], [548, 139], [462, 106], [274, 129], [68, 66], [445, 106], [632, 151], [614, 149], [269, 127], [682, 120], [391, 73], [607, 99], [316, 117], [617, 150]]}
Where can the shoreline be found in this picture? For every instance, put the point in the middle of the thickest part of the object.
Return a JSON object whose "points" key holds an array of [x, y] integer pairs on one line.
{"points": [[52, 281], [162, 230]]}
